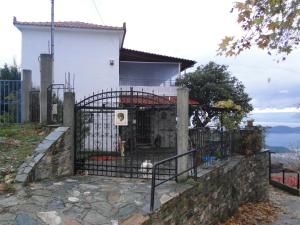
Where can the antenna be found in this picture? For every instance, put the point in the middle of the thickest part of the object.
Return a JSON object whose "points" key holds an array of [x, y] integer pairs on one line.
{"points": [[52, 28]]}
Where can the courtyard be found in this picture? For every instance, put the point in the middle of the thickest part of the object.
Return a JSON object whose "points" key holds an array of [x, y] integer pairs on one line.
{"points": [[84, 200]]}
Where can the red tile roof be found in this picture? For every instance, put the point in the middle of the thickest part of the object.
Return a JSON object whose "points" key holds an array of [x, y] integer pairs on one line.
{"points": [[70, 24], [153, 100]]}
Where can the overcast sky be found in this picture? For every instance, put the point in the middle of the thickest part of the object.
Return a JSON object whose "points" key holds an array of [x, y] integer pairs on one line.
{"points": [[189, 29]]}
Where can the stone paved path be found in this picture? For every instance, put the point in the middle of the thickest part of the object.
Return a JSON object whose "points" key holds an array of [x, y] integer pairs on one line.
{"points": [[82, 200], [290, 204]]}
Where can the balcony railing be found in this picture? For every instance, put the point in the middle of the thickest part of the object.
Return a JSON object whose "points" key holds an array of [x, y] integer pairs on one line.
{"points": [[147, 82]]}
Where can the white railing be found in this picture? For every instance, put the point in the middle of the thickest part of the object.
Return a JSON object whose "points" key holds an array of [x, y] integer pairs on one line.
{"points": [[147, 82]]}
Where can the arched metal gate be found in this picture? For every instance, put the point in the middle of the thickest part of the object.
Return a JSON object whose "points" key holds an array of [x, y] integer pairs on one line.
{"points": [[123, 133]]}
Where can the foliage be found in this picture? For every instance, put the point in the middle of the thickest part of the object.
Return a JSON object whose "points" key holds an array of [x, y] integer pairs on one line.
{"points": [[273, 25], [218, 93], [10, 72], [231, 121], [7, 118], [16, 143], [228, 104]]}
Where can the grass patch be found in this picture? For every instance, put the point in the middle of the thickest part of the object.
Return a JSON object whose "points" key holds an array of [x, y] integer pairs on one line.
{"points": [[17, 142]]}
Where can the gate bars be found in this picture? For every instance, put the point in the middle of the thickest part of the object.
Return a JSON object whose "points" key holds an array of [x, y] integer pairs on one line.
{"points": [[103, 148]]}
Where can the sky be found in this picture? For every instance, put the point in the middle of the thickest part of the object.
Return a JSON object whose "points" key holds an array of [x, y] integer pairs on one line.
{"points": [[189, 29]]}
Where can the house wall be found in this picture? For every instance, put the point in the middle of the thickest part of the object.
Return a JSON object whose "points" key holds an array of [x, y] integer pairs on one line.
{"points": [[148, 73], [85, 53]]}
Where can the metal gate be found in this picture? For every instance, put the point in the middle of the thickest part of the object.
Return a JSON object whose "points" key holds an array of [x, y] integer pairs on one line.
{"points": [[55, 96], [123, 133], [34, 105]]}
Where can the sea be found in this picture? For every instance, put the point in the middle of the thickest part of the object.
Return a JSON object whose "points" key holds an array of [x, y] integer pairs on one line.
{"points": [[271, 119]]}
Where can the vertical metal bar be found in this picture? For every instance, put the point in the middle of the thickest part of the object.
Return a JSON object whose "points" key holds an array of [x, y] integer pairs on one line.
{"points": [[195, 164], [1, 102], [102, 125], [19, 99], [93, 134], [176, 170], [97, 133], [9, 102], [298, 182], [131, 132], [4, 100], [120, 130], [270, 167], [16, 101], [117, 136], [106, 130], [94, 145], [283, 176], [12, 103], [85, 151], [152, 189], [111, 131], [89, 131], [75, 139]]}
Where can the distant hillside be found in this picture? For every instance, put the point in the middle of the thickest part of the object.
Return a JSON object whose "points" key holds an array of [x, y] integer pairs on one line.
{"points": [[278, 149], [283, 130]]}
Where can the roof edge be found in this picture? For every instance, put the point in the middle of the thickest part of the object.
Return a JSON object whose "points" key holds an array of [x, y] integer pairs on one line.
{"points": [[185, 63], [68, 25]]}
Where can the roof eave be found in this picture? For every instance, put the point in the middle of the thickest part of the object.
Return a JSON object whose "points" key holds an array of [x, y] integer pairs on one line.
{"points": [[134, 55], [123, 39], [21, 25]]}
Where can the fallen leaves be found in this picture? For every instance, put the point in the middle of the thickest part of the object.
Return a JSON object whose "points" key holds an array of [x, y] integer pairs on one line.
{"points": [[255, 213]]}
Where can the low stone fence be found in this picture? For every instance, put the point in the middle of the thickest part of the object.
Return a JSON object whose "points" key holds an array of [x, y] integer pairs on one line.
{"points": [[51, 158], [218, 192]]}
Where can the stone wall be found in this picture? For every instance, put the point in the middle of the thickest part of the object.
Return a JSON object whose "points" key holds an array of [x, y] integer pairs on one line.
{"points": [[218, 192], [53, 157]]}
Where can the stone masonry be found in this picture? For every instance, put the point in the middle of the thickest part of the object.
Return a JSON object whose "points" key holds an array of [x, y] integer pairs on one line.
{"points": [[51, 158], [218, 193]]}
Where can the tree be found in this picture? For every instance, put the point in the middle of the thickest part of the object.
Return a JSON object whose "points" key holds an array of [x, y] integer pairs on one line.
{"points": [[273, 25], [218, 93], [10, 72]]}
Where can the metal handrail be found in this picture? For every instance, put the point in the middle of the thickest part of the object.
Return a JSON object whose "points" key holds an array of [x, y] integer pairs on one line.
{"points": [[124, 81], [283, 171], [154, 184]]}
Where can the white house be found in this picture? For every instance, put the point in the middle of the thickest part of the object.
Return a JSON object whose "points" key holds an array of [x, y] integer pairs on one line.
{"points": [[95, 54]]}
